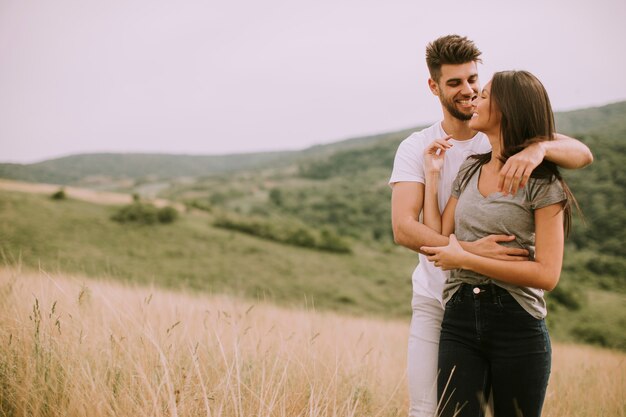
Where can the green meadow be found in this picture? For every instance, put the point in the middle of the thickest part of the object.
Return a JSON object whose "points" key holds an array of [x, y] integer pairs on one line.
{"points": [[78, 237], [70, 236]]}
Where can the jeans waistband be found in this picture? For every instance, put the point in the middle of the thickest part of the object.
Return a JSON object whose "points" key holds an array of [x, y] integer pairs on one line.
{"points": [[480, 290]]}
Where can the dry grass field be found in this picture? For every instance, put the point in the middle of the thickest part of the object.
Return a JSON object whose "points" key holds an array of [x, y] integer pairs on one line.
{"points": [[74, 346]]}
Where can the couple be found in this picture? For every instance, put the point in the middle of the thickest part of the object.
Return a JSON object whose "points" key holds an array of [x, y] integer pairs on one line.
{"points": [[480, 329]]}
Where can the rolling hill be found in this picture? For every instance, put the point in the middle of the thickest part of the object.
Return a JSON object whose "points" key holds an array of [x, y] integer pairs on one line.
{"points": [[339, 188], [75, 169], [96, 169]]}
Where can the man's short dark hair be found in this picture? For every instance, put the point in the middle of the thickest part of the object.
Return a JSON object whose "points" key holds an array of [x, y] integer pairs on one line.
{"points": [[450, 50]]}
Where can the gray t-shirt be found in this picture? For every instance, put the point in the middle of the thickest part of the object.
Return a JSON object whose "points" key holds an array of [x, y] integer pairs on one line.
{"points": [[477, 216]]}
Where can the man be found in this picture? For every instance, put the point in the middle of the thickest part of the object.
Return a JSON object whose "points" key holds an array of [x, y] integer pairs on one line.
{"points": [[452, 63]]}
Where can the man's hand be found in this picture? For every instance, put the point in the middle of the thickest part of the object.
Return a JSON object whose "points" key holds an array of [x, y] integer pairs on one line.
{"points": [[490, 247], [517, 169], [446, 257]]}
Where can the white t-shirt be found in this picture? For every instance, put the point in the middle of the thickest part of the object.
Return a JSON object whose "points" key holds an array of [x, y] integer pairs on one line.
{"points": [[428, 280]]}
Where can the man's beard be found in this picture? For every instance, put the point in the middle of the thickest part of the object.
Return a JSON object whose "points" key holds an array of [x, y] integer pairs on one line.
{"points": [[456, 113]]}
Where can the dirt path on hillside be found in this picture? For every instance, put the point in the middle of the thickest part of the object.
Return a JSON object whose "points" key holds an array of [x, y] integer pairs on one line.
{"points": [[84, 194]]}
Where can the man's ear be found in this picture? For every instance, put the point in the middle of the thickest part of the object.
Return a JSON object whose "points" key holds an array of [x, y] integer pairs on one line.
{"points": [[434, 87]]}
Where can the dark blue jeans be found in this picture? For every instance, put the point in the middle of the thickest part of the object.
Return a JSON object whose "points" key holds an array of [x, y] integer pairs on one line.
{"points": [[489, 343]]}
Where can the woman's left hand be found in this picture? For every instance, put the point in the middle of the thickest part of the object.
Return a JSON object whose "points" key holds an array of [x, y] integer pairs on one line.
{"points": [[446, 257], [435, 153]]}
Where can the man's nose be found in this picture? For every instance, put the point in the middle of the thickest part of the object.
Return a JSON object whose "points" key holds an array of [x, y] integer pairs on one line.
{"points": [[467, 89]]}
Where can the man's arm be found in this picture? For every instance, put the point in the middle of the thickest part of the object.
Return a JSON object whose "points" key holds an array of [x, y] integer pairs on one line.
{"points": [[564, 151], [407, 200], [567, 152]]}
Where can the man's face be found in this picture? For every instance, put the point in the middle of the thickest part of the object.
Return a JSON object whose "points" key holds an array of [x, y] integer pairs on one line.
{"points": [[457, 87]]}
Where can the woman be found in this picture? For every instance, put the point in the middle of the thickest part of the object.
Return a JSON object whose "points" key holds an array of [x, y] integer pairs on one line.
{"points": [[493, 333]]}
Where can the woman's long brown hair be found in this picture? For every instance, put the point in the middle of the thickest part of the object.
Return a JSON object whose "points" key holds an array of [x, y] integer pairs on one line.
{"points": [[527, 118]]}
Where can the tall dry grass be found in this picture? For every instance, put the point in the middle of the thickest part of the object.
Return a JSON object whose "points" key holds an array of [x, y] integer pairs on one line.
{"points": [[70, 346]]}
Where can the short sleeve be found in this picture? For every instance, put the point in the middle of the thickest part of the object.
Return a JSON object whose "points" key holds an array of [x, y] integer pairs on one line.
{"points": [[456, 185], [408, 164], [543, 192]]}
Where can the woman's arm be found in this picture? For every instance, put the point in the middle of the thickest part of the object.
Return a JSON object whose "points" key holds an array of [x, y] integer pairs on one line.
{"points": [[434, 155], [432, 216], [543, 272], [447, 218]]}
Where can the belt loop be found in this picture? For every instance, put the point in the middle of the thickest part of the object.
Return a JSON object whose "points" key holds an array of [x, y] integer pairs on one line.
{"points": [[494, 294]]}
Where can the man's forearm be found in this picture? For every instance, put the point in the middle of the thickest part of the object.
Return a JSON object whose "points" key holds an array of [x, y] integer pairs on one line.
{"points": [[412, 234], [567, 152]]}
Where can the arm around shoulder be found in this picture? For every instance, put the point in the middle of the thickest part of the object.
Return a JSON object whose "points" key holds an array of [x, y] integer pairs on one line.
{"points": [[564, 151], [567, 152]]}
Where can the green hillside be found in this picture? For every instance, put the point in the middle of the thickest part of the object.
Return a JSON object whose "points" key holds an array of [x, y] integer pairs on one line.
{"points": [[608, 119], [330, 207], [347, 190], [72, 236], [76, 237]]}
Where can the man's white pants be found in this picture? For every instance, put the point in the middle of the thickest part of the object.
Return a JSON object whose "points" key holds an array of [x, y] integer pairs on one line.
{"points": [[422, 356]]}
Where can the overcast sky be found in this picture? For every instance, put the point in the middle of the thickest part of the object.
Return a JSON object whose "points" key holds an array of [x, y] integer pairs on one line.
{"points": [[222, 76]]}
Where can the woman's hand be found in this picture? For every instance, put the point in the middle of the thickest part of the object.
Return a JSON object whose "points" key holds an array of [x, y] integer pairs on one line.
{"points": [[446, 257], [434, 154]]}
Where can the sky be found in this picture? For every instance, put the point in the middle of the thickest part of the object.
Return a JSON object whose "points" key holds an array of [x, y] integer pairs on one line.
{"points": [[231, 76]]}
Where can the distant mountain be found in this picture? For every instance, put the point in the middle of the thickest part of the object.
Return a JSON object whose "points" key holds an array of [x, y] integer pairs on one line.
{"points": [[113, 166], [84, 168], [75, 168], [609, 119]]}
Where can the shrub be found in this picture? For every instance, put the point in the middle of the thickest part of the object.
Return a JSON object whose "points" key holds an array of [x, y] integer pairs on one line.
{"points": [[606, 265], [285, 231], [276, 196], [167, 214], [596, 332], [332, 241], [566, 295], [59, 195], [144, 214], [199, 204]]}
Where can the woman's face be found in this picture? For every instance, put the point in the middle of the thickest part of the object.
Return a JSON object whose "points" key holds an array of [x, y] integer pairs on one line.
{"points": [[486, 117]]}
